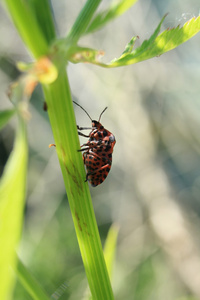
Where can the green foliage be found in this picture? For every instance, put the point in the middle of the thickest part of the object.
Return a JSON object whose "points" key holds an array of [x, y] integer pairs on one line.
{"points": [[61, 115], [5, 116], [12, 194], [32, 35], [29, 283], [115, 10], [110, 248], [38, 33], [156, 45], [159, 44], [44, 17]]}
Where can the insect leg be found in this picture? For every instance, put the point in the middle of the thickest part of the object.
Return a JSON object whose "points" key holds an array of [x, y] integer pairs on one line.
{"points": [[83, 149], [83, 128], [82, 134], [89, 146]]}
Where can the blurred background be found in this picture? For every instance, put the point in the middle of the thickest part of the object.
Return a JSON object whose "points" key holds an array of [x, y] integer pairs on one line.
{"points": [[153, 189]]}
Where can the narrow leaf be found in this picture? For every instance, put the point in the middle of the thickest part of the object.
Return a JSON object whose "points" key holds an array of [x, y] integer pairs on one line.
{"points": [[5, 116], [115, 10], [29, 282], [12, 193], [80, 25], [110, 248], [156, 45], [130, 45]]}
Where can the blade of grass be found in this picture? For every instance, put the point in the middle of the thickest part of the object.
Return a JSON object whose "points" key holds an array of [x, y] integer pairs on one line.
{"points": [[110, 248], [12, 194], [30, 283], [62, 119], [82, 21], [115, 10]]}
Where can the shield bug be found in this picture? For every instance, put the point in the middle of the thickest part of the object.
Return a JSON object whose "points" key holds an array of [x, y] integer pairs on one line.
{"points": [[97, 152]]}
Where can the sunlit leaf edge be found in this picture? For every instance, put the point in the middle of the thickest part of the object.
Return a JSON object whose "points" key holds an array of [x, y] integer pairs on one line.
{"points": [[115, 10], [164, 42], [155, 46]]}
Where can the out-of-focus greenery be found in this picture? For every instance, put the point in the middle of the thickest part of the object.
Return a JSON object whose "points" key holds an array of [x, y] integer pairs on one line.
{"points": [[152, 191]]}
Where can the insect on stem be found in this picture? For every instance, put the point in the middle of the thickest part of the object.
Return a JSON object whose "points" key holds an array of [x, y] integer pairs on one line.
{"points": [[97, 152]]}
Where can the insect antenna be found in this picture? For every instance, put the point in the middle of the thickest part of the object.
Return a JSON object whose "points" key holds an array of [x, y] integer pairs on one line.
{"points": [[102, 113], [83, 110]]}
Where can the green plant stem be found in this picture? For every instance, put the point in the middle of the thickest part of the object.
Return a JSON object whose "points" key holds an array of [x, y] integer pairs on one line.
{"points": [[44, 17], [27, 26], [83, 20], [62, 119]]}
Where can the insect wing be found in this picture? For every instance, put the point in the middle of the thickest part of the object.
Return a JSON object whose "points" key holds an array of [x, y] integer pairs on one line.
{"points": [[97, 169]]}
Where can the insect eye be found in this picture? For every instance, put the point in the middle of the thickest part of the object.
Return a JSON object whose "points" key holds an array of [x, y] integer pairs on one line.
{"points": [[111, 138]]}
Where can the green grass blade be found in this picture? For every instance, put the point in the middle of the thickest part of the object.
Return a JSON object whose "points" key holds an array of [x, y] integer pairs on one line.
{"points": [[28, 27], [109, 253], [12, 194], [110, 248], [62, 119], [82, 21], [115, 10], [29, 282], [5, 116]]}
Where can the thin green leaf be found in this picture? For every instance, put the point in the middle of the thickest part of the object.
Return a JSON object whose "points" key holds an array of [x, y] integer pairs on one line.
{"points": [[110, 248], [130, 45], [12, 194], [29, 282], [115, 10], [5, 116], [80, 25], [156, 45]]}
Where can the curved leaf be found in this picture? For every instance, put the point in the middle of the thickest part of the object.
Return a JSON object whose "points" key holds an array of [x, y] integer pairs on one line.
{"points": [[12, 193], [156, 45], [164, 42]]}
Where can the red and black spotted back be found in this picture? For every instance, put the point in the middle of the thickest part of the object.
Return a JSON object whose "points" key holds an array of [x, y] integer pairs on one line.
{"points": [[97, 155]]}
